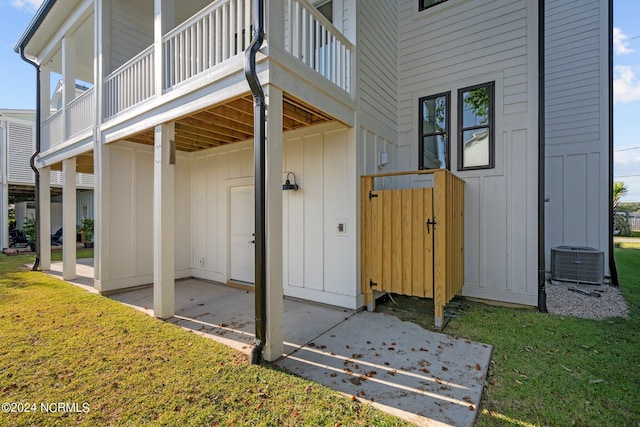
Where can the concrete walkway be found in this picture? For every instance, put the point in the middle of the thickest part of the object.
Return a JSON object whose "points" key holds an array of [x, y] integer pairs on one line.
{"points": [[424, 377]]}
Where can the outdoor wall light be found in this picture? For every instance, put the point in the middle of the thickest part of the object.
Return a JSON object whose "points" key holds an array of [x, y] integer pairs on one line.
{"points": [[288, 185]]}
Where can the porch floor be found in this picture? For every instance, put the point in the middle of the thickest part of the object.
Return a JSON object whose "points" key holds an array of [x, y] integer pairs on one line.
{"points": [[424, 377]]}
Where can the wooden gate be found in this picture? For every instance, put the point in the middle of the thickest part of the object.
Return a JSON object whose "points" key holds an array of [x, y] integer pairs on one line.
{"points": [[412, 239]]}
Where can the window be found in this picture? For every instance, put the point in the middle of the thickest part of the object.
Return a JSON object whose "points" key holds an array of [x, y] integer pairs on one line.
{"points": [[475, 127], [425, 4], [433, 145]]}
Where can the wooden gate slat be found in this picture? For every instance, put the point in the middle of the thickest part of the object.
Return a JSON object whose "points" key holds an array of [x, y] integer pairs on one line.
{"points": [[387, 255], [428, 245], [406, 240], [417, 239], [376, 240], [396, 243]]}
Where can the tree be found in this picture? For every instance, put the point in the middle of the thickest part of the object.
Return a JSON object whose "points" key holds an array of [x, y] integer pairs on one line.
{"points": [[620, 219]]}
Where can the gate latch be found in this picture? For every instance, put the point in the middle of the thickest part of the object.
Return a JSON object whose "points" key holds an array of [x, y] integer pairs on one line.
{"points": [[372, 284], [372, 195], [430, 223]]}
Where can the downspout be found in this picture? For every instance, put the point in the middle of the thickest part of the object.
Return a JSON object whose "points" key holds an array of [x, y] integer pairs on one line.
{"points": [[612, 262], [259, 143], [32, 161], [542, 293]]}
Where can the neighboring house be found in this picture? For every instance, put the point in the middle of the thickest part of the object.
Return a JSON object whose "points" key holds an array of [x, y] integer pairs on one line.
{"points": [[17, 144], [352, 87]]}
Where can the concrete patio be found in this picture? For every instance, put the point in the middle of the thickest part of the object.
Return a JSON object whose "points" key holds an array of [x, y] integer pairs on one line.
{"points": [[424, 377]]}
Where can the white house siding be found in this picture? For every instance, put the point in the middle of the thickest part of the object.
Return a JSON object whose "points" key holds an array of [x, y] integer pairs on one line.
{"points": [[377, 83], [318, 261], [131, 30], [462, 43], [577, 163], [130, 217]]}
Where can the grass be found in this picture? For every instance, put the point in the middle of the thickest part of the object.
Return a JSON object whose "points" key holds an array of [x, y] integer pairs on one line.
{"points": [[556, 370], [61, 344], [122, 367]]}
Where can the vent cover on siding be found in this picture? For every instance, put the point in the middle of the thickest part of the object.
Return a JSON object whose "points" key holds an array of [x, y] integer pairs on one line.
{"points": [[577, 264], [20, 147]]}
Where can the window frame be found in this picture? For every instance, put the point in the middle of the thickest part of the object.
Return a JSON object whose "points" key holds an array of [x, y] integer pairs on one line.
{"points": [[422, 7], [490, 125], [447, 132]]}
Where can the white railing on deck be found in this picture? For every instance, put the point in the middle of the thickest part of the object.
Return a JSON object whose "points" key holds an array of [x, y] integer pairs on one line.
{"points": [[52, 131], [81, 113], [213, 35], [312, 39], [130, 84]]}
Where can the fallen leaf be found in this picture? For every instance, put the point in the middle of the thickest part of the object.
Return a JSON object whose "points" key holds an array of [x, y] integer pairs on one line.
{"points": [[478, 367]]}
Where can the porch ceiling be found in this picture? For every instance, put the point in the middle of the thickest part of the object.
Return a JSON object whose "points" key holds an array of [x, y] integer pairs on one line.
{"points": [[232, 122], [84, 163], [28, 192]]}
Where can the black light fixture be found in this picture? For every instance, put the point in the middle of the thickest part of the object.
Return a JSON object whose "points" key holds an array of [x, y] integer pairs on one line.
{"points": [[288, 185]]}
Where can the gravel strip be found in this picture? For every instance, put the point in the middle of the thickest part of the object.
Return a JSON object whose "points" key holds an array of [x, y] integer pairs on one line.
{"points": [[560, 300]]}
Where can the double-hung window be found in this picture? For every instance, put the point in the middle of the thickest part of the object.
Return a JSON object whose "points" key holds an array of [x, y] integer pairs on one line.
{"points": [[433, 148], [475, 127]]}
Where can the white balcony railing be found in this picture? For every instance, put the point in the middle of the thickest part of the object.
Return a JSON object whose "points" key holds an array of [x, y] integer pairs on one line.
{"points": [[219, 32], [52, 131], [311, 38], [130, 84], [81, 113], [215, 34]]}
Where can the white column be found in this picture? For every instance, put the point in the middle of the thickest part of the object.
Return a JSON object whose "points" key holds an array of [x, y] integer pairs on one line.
{"points": [[69, 78], [45, 94], [163, 22], [69, 219], [164, 221], [101, 214], [275, 305], [4, 189], [45, 218]]}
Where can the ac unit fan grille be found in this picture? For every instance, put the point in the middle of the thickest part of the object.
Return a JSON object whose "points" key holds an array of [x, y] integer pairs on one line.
{"points": [[577, 264]]}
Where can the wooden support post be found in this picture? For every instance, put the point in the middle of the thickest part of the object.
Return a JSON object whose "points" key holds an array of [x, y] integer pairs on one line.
{"points": [[164, 222], [275, 305], [69, 219], [45, 218]]}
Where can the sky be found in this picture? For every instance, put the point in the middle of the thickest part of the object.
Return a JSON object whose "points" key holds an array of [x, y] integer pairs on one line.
{"points": [[17, 80]]}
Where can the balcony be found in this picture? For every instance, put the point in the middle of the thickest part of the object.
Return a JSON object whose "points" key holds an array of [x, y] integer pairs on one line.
{"points": [[209, 43], [71, 121], [216, 35]]}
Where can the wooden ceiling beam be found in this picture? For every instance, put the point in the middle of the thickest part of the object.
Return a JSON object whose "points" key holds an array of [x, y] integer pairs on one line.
{"points": [[213, 128]]}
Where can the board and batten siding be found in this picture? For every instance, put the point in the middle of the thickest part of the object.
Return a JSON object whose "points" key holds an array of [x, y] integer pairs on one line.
{"points": [[130, 216], [576, 125], [461, 43], [319, 262]]}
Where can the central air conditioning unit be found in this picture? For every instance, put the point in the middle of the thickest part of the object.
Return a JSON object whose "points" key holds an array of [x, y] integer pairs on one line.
{"points": [[577, 264]]}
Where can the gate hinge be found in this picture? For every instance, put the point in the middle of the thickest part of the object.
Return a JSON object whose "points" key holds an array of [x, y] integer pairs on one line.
{"points": [[372, 195], [372, 284]]}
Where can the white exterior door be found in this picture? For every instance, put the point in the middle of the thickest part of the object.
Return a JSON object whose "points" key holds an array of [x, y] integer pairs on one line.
{"points": [[242, 257]]}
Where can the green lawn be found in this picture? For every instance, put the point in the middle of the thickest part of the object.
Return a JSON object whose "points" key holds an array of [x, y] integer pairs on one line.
{"points": [[116, 366], [62, 344], [555, 370]]}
